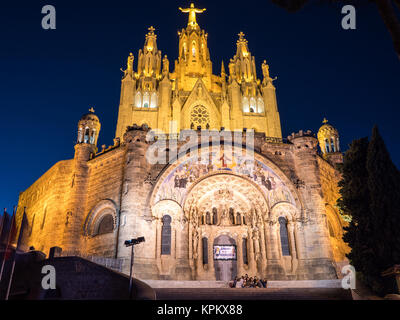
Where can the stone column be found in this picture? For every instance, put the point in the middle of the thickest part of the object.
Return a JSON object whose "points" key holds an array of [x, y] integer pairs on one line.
{"points": [[200, 267], [211, 268], [173, 240], [263, 249], [239, 255], [158, 243], [251, 258], [292, 240], [274, 268], [267, 232]]}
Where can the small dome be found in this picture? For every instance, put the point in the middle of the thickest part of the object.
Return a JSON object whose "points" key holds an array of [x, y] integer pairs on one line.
{"points": [[327, 129], [328, 138], [90, 116]]}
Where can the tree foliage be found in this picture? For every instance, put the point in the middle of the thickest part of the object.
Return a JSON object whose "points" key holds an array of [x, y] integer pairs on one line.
{"points": [[370, 194]]}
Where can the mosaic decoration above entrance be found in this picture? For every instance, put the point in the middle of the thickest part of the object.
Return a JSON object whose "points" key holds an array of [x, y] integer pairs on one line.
{"points": [[175, 185]]}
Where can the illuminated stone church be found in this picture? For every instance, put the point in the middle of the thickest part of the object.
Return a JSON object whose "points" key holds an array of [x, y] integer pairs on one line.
{"points": [[270, 212]]}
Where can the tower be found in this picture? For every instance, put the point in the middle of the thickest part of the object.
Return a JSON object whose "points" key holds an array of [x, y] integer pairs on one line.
{"points": [[169, 101], [253, 103], [88, 130], [85, 147], [194, 57], [328, 138]]}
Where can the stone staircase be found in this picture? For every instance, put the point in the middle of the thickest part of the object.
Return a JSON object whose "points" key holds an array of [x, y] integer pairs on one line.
{"points": [[252, 294], [276, 290]]}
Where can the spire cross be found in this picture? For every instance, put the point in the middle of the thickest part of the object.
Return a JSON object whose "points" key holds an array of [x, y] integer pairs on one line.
{"points": [[151, 29], [91, 110], [241, 35], [325, 120], [192, 14]]}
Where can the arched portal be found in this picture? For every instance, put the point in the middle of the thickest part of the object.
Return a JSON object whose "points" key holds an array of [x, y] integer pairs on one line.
{"points": [[234, 198], [225, 258]]}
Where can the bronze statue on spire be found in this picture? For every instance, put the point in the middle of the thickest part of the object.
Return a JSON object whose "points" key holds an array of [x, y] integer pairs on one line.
{"points": [[192, 14]]}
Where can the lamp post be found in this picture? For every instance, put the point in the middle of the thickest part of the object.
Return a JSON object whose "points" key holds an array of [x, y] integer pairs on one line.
{"points": [[131, 243]]}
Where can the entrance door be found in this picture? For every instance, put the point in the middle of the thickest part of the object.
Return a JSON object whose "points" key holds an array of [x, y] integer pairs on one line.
{"points": [[225, 254]]}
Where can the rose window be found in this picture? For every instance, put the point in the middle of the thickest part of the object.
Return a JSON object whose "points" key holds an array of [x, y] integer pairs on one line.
{"points": [[199, 117]]}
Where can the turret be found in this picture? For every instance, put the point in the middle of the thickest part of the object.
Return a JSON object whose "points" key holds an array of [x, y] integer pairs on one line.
{"points": [[148, 74], [88, 133], [128, 89], [85, 147], [328, 138], [270, 105]]}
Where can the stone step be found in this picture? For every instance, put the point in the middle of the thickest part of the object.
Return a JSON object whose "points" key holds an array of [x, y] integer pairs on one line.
{"points": [[186, 284], [253, 294], [222, 284]]}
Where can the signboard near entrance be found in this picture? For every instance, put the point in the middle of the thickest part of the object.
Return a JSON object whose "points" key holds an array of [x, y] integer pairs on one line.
{"points": [[224, 252]]}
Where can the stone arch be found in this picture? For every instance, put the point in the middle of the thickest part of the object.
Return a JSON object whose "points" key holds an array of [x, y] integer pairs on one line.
{"points": [[158, 193], [200, 96], [334, 225], [246, 192], [168, 207], [290, 213], [333, 219], [102, 209], [284, 209]]}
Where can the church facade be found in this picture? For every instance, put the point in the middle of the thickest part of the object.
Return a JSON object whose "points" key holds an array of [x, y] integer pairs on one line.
{"points": [[240, 199]]}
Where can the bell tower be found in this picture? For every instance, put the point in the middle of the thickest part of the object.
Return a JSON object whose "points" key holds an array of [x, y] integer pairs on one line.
{"points": [[328, 138]]}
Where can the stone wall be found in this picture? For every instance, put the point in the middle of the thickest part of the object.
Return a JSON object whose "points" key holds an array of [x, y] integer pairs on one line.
{"points": [[119, 181], [330, 178], [45, 203]]}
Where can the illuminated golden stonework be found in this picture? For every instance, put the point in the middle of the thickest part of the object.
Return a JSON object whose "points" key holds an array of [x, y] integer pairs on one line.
{"points": [[200, 117], [274, 209], [192, 15]]}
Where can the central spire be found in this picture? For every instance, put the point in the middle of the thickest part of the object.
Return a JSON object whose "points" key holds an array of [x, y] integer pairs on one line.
{"points": [[192, 14]]}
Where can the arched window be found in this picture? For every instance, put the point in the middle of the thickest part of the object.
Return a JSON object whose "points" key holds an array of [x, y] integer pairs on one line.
{"points": [[252, 105], [184, 49], [193, 49], [238, 218], [327, 145], [244, 249], [205, 250], [166, 235], [231, 216], [106, 225], [202, 219], [284, 236], [215, 216], [333, 145], [153, 102], [208, 218], [245, 103], [138, 100], [93, 136], [86, 138], [337, 145], [146, 100], [80, 135]]}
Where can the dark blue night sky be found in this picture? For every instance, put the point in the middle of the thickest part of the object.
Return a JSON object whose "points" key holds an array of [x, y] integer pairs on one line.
{"points": [[48, 79]]}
